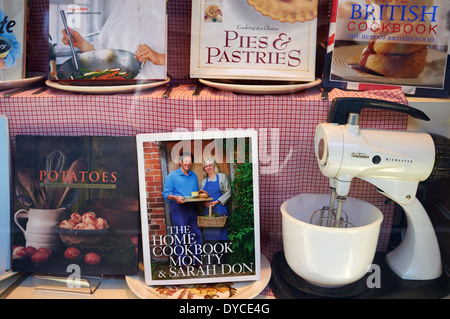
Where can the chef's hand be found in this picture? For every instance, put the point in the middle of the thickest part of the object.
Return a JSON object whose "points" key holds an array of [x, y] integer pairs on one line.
{"points": [[2, 64], [145, 53], [77, 40]]}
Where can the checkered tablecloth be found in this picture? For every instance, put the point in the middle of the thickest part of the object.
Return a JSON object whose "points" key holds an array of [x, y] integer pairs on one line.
{"points": [[285, 123]]}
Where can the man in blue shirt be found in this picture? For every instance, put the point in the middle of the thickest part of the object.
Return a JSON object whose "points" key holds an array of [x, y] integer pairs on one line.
{"points": [[181, 182], [178, 185]]}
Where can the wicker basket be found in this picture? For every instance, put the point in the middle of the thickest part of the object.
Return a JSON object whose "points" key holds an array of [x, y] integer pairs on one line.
{"points": [[209, 221]]}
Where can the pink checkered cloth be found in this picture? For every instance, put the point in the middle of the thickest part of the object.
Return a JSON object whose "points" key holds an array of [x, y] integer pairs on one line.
{"points": [[285, 123]]}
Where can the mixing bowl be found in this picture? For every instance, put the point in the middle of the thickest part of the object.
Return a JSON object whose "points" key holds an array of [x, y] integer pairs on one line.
{"points": [[328, 256]]}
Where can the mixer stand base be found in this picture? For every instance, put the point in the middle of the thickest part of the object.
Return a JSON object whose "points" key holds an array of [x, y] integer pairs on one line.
{"points": [[286, 284]]}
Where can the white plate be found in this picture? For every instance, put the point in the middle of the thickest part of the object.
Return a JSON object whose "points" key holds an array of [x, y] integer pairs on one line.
{"points": [[104, 89], [31, 78], [432, 75], [260, 87], [241, 290]]}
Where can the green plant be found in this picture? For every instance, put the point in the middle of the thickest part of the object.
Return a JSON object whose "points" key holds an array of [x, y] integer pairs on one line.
{"points": [[241, 221]]}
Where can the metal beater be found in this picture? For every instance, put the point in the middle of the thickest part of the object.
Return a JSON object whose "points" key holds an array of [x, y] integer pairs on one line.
{"points": [[328, 216]]}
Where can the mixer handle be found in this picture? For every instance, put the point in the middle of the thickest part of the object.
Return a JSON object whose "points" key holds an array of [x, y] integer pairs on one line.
{"points": [[341, 108]]}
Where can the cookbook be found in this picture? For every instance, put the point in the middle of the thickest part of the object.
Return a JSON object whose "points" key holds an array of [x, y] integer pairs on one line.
{"points": [[76, 206], [112, 40], [199, 207], [5, 197], [377, 44], [253, 39], [12, 39]]}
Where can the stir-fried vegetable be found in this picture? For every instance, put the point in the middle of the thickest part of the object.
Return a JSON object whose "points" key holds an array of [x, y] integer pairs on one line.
{"points": [[108, 74]]}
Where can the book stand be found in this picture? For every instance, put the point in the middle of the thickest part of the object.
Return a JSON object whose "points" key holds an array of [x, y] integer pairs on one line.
{"points": [[82, 285]]}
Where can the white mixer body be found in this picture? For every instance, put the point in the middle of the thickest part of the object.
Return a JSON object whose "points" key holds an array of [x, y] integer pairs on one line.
{"points": [[395, 162]]}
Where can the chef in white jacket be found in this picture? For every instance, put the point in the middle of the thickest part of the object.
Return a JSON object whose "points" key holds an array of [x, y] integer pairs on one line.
{"points": [[137, 26]]}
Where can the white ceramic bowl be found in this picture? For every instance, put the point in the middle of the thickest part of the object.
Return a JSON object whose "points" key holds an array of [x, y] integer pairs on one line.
{"points": [[329, 256]]}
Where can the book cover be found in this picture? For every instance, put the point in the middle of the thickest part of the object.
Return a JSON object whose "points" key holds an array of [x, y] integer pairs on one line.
{"points": [[76, 206], [112, 40], [12, 39], [377, 44], [5, 197], [199, 207], [253, 40]]}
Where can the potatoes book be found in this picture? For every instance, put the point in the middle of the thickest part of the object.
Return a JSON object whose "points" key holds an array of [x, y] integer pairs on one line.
{"points": [[76, 205], [111, 40], [253, 39], [12, 39], [389, 44], [199, 207]]}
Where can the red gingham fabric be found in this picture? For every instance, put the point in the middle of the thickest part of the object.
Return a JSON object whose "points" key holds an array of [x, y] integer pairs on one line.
{"points": [[285, 123]]}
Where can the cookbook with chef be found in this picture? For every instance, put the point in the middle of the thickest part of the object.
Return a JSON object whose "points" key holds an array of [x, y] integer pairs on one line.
{"points": [[108, 40]]}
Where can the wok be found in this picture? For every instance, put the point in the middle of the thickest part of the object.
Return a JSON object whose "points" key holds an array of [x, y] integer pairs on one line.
{"points": [[101, 60]]}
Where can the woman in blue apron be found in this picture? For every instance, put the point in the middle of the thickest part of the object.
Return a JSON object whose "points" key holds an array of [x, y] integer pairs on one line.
{"points": [[218, 187]]}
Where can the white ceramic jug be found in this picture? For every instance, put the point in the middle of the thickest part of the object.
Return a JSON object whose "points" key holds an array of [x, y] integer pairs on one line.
{"points": [[41, 227]]}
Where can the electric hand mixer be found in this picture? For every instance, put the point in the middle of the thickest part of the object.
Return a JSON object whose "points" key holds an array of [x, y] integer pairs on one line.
{"points": [[395, 162]]}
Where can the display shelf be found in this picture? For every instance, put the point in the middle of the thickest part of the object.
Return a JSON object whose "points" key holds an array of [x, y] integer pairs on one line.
{"points": [[112, 287], [285, 124]]}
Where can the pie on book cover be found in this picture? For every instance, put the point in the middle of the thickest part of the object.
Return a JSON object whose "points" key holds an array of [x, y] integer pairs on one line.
{"points": [[254, 39], [199, 207], [76, 206], [376, 44]]}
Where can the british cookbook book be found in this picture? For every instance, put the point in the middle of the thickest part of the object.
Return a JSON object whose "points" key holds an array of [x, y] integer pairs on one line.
{"points": [[253, 39], [112, 40], [389, 44], [12, 39], [199, 207], [76, 207], [5, 197]]}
